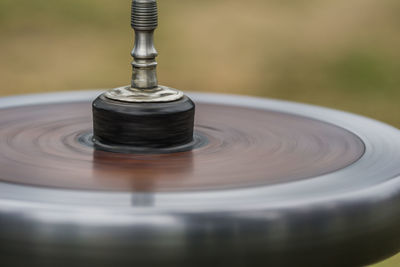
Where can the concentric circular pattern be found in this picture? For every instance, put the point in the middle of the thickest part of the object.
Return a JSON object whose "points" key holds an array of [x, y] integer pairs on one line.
{"points": [[246, 148], [275, 184]]}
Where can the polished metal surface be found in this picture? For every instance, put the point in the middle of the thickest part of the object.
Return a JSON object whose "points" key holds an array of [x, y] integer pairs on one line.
{"points": [[347, 217], [144, 85]]}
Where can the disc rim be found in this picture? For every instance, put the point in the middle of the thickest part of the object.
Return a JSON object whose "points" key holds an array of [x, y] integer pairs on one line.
{"points": [[281, 214], [370, 131]]}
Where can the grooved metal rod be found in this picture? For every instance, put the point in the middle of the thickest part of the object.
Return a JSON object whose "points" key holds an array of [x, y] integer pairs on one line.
{"points": [[144, 86], [144, 65]]}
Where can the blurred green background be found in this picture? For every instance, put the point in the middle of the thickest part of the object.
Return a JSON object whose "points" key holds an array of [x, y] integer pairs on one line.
{"points": [[342, 54]]}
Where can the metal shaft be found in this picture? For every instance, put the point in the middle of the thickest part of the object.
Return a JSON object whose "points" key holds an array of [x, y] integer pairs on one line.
{"points": [[144, 86], [144, 22]]}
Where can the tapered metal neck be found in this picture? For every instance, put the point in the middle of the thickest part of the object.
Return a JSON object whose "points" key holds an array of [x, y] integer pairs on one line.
{"points": [[144, 84], [144, 65]]}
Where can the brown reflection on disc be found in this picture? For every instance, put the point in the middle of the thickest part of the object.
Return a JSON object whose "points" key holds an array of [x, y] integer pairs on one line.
{"points": [[246, 147], [140, 173]]}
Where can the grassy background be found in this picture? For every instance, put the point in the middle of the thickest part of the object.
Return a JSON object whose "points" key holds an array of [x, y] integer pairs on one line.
{"points": [[342, 54]]}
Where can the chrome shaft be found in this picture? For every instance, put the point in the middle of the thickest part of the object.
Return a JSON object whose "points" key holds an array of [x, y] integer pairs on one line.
{"points": [[144, 65], [144, 85]]}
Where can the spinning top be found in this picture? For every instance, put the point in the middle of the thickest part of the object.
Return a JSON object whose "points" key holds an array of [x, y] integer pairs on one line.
{"points": [[252, 182]]}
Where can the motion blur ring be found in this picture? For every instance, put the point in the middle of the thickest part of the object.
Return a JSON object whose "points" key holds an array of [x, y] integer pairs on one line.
{"points": [[278, 183]]}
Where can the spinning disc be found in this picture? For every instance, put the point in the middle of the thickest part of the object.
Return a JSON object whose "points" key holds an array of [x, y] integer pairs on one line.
{"points": [[268, 182], [235, 147]]}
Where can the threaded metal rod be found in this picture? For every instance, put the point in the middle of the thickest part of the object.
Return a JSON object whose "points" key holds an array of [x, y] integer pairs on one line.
{"points": [[144, 86], [144, 15], [144, 22]]}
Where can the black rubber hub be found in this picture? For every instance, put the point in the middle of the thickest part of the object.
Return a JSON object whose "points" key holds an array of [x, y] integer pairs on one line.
{"points": [[148, 126]]}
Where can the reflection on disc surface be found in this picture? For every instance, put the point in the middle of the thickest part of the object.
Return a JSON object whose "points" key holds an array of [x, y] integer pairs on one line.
{"points": [[244, 147], [270, 183]]}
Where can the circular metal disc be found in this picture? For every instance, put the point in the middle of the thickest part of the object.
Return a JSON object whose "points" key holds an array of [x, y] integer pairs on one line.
{"points": [[272, 182]]}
